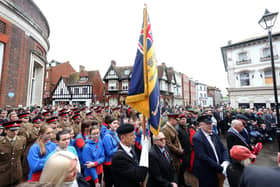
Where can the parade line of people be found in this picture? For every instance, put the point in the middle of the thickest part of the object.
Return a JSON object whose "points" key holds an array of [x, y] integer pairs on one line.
{"points": [[79, 146]]}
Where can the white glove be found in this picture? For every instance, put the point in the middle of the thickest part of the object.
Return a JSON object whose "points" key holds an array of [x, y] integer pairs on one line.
{"points": [[144, 158], [225, 165]]}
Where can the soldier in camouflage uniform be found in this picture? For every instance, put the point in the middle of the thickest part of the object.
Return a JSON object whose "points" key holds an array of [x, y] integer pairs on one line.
{"points": [[12, 149]]}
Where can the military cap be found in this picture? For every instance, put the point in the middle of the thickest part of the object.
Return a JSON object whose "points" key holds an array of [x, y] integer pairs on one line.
{"points": [[62, 110], [125, 128], [62, 114], [173, 115], [12, 125], [52, 120], [24, 115], [241, 116], [205, 119], [98, 111], [76, 116], [46, 113], [37, 119], [88, 113], [182, 116], [116, 108], [77, 112], [83, 108], [74, 109]]}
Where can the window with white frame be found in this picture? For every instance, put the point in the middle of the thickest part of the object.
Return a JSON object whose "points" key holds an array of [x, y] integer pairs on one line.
{"points": [[266, 52], [112, 85], [125, 85], [2, 46], [243, 56], [76, 91], [85, 91], [244, 79], [61, 91]]}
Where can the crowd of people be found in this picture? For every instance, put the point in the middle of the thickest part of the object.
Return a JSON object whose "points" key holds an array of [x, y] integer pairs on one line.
{"points": [[68, 145]]}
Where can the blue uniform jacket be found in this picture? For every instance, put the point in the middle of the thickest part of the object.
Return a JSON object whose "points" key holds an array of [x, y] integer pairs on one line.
{"points": [[79, 145], [205, 163], [37, 162], [103, 130], [111, 143], [93, 152]]}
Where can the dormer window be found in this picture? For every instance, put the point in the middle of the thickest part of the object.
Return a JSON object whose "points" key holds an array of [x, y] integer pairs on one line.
{"points": [[83, 78]]}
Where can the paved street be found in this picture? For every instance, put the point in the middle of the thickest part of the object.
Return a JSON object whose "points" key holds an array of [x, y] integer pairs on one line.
{"points": [[267, 156]]}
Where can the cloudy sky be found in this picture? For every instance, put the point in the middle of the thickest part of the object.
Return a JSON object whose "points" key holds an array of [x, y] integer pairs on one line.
{"points": [[187, 34]]}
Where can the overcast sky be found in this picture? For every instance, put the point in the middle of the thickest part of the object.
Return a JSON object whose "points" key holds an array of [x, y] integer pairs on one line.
{"points": [[187, 34]]}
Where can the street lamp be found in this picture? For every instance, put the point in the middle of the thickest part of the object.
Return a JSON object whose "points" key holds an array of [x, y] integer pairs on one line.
{"points": [[267, 22]]}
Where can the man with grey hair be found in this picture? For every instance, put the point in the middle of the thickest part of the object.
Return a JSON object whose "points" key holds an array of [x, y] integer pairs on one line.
{"points": [[161, 170], [234, 137]]}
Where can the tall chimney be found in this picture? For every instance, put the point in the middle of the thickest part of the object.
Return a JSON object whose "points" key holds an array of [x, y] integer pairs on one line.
{"points": [[82, 68], [113, 63]]}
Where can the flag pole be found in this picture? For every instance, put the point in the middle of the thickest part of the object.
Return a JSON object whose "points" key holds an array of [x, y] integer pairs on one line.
{"points": [[145, 64]]}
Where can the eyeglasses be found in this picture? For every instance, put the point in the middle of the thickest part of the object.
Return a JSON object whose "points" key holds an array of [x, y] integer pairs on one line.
{"points": [[161, 139]]}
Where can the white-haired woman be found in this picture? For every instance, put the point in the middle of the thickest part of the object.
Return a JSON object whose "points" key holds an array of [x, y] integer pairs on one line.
{"points": [[61, 170]]}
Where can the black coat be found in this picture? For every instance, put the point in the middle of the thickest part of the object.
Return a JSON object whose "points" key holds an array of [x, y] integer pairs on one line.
{"points": [[126, 171], [161, 172], [233, 139], [260, 177], [234, 172], [184, 139]]}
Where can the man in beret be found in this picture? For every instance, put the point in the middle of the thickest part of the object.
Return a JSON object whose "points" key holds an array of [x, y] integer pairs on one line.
{"points": [[126, 170], [12, 149], [172, 140], [211, 157]]}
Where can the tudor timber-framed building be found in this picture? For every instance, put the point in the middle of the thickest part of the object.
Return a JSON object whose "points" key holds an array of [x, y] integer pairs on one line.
{"points": [[117, 82], [80, 88]]}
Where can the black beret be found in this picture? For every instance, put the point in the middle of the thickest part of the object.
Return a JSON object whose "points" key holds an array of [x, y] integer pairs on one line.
{"points": [[125, 128], [241, 116], [205, 119]]}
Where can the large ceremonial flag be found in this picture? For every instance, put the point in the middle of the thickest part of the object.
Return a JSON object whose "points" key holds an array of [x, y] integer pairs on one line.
{"points": [[143, 93]]}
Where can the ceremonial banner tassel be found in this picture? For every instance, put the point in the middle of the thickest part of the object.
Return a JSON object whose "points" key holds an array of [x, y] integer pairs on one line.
{"points": [[143, 92]]}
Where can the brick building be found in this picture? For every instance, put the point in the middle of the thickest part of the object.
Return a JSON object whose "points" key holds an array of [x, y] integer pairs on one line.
{"points": [[216, 94], [80, 88], [186, 89], [24, 33], [54, 71], [192, 94]]}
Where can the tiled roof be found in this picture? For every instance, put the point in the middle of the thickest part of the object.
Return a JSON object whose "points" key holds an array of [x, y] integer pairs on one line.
{"points": [[74, 78], [63, 69]]}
